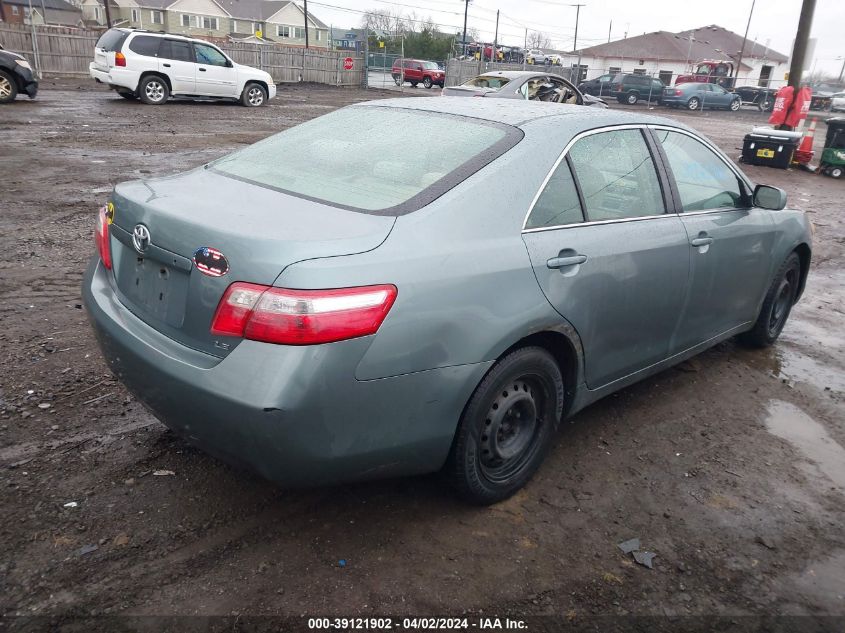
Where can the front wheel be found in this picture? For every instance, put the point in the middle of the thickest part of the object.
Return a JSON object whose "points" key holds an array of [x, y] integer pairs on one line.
{"points": [[153, 90], [427, 82], [8, 87], [397, 80], [693, 104], [253, 96], [632, 98], [507, 427], [414, 84], [776, 306], [735, 104]]}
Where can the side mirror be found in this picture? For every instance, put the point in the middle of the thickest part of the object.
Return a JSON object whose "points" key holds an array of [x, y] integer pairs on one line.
{"points": [[768, 197]]}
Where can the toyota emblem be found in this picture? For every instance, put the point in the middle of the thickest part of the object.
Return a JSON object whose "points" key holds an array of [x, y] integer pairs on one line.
{"points": [[141, 238]]}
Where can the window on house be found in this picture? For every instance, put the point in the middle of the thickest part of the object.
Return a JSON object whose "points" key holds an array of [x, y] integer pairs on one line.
{"points": [[639, 71], [96, 13], [234, 26], [317, 36], [614, 70], [16, 11], [186, 19], [210, 23], [256, 26], [136, 15], [283, 31], [156, 17]]}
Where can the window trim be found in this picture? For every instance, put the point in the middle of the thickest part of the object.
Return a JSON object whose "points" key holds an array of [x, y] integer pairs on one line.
{"points": [[659, 167], [673, 185]]}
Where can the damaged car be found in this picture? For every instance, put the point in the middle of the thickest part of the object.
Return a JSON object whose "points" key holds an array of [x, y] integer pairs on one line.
{"points": [[526, 85], [432, 308]]}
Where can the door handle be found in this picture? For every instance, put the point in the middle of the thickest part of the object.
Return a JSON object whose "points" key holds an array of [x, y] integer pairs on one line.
{"points": [[166, 65], [701, 241], [202, 70], [563, 262]]}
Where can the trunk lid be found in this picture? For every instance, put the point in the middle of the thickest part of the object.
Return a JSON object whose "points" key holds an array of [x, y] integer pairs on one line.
{"points": [[466, 91], [257, 231]]}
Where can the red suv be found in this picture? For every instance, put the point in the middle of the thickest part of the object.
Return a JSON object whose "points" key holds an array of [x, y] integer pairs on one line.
{"points": [[418, 71]]}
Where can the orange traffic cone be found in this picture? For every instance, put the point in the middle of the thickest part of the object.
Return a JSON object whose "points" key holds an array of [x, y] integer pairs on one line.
{"points": [[804, 154]]}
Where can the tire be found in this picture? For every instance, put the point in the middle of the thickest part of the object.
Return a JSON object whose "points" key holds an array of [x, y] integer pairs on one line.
{"points": [[507, 427], [427, 82], [153, 90], [776, 306], [835, 172], [632, 98], [735, 105], [253, 96], [130, 96], [693, 103], [397, 79], [414, 84], [8, 87]]}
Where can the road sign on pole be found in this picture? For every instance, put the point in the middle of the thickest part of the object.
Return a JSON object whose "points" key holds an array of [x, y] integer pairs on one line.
{"points": [[348, 63]]}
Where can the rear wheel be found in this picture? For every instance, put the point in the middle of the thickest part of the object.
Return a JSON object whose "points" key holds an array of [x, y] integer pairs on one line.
{"points": [[835, 172], [414, 84], [253, 95], [632, 98], [693, 104], [735, 104], [153, 90], [507, 427], [776, 306], [427, 82], [8, 87]]}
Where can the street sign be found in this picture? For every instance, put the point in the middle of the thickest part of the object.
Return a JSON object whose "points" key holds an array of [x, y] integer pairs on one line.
{"points": [[348, 63]]}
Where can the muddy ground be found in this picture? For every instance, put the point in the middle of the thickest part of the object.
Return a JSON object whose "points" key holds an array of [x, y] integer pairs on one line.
{"points": [[730, 468]]}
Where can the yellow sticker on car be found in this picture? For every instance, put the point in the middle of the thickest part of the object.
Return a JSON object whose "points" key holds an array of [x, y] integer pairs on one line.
{"points": [[110, 212], [765, 153]]}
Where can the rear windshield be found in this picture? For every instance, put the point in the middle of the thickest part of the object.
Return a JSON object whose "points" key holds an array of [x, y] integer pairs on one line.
{"points": [[112, 40], [488, 82], [374, 159]]}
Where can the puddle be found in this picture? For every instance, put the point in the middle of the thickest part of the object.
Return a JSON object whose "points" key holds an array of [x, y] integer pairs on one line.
{"points": [[822, 582], [790, 423], [795, 366]]}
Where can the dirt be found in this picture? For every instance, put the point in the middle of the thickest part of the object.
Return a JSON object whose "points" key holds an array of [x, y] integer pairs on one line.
{"points": [[729, 467]]}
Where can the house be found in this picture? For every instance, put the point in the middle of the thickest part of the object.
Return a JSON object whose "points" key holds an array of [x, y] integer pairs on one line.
{"points": [[352, 40], [666, 55], [265, 21], [57, 12]]}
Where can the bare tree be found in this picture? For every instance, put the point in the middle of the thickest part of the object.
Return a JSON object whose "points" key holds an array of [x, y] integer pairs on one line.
{"points": [[538, 39], [384, 20]]}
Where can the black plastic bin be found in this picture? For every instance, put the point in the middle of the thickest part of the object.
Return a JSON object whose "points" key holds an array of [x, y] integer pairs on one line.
{"points": [[770, 150]]}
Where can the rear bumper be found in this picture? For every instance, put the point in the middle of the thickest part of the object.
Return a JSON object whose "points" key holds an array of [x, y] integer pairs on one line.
{"points": [[115, 77], [296, 415]]}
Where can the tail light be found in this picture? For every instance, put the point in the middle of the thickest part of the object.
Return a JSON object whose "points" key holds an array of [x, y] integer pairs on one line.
{"points": [[101, 237], [119, 59], [679, 93], [301, 317]]}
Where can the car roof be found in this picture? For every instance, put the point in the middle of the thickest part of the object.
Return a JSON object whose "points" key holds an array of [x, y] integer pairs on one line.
{"points": [[514, 74], [517, 112], [162, 34]]}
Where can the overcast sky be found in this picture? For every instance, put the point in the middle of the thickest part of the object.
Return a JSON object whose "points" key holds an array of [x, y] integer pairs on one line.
{"points": [[774, 20]]}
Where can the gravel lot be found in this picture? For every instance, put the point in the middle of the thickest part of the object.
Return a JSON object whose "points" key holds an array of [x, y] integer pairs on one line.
{"points": [[730, 468]]}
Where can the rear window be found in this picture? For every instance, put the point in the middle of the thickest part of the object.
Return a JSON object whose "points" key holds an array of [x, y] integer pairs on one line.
{"points": [[112, 40], [145, 45], [372, 159], [485, 81]]}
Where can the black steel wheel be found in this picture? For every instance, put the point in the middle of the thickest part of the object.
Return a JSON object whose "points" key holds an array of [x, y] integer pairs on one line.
{"points": [[507, 427], [777, 305]]}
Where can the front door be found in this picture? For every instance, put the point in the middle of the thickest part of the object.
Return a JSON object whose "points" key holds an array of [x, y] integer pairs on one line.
{"points": [[607, 256], [216, 77], [176, 60], [729, 240]]}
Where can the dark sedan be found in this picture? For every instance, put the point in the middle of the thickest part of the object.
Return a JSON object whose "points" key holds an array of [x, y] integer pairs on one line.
{"points": [[16, 77]]}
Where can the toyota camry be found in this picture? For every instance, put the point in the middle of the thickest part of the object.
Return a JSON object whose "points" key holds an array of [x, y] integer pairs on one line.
{"points": [[342, 302]]}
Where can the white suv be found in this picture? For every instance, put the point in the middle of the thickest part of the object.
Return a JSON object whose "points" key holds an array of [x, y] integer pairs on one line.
{"points": [[153, 66]]}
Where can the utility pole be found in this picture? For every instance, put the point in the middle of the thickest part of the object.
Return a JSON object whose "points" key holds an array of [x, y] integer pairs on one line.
{"points": [[609, 29], [799, 50], [525, 49], [842, 71], [575, 44], [744, 38], [466, 11], [108, 14], [494, 55], [306, 24]]}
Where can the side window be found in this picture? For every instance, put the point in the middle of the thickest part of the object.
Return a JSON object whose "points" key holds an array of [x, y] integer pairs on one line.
{"points": [[209, 55], [617, 176], [145, 45], [703, 179], [176, 50], [558, 203]]}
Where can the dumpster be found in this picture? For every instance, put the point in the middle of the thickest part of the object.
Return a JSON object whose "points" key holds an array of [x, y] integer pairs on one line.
{"points": [[770, 147]]}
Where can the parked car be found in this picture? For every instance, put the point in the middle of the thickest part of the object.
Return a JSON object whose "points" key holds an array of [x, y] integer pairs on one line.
{"points": [[535, 56], [417, 71], [760, 96], [16, 77], [324, 319], [154, 66], [554, 59], [698, 96], [600, 86], [837, 102], [631, 88], [523, 84], [821, 100]]}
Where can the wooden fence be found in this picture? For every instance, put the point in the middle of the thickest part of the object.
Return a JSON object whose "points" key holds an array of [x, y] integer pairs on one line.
{"points": [[60, 51]]}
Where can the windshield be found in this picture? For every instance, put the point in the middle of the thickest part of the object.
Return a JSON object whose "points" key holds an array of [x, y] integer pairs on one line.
{"points": [[371, 158], [488, 82], [703, 69], [430, 65], [112, 40]]}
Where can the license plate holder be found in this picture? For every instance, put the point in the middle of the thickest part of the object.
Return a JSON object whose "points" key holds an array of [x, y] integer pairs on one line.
{"points": [[156, 288]]}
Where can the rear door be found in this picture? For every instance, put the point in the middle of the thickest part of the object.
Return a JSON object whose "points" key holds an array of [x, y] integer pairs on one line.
{"points": [[216, 77], [606, 254], [730, 241], [109, 43], [176, 60]]}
